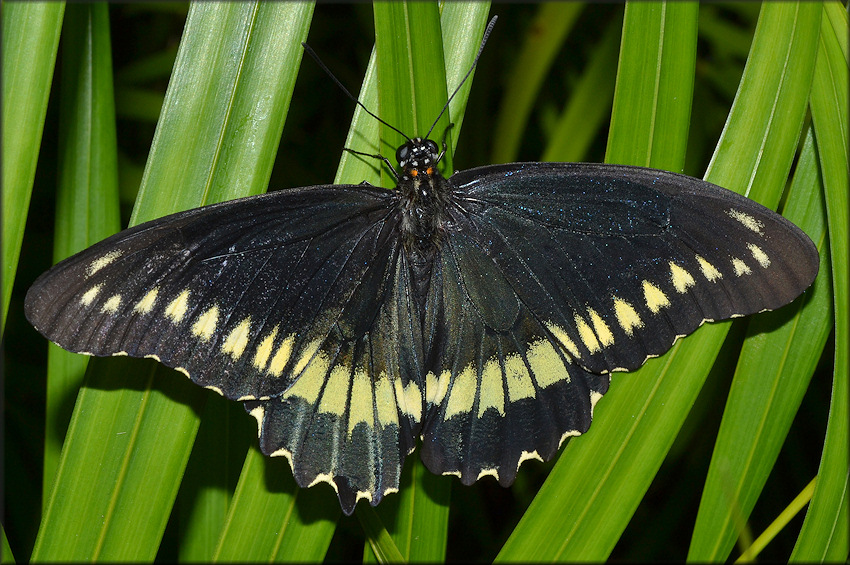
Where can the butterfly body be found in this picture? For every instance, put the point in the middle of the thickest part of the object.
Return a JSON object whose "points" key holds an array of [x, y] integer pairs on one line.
{"points": [[482, 313]]}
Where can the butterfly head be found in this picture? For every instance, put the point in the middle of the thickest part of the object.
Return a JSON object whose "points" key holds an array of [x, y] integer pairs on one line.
{"points": [[418, 158]]}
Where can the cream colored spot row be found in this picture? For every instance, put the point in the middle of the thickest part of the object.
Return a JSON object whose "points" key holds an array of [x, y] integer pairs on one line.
{"points": [[519, 380], [281, 356], [264, 350], [204, 326], [335, 394], [546, 365], [308, 384], [746, 220], [654, 297], [237, 339], [564, 339], [462, 393], [603, 332], [112, 304], [362, 402], [411, 398], [491, 392], [627, 317], [436, 388], [176, 310], [385, 402], [88, 297], [759, 255], [740, 267], [103, 261], [709, 271], [146, 304], [682, 279], [586, 334]]}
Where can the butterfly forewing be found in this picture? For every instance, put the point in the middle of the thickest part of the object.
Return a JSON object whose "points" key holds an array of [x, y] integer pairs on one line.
{"points": [[617, 262]]}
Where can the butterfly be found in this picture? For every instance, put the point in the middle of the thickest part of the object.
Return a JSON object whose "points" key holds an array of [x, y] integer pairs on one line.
{"points": [[481, 313]]}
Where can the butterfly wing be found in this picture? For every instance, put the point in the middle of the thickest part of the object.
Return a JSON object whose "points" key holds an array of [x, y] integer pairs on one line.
{"points": [[272, 300], [584, 270]]}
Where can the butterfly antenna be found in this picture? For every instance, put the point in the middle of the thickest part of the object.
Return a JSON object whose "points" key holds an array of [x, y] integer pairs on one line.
{"points": [[324, 67], [466, 76]]}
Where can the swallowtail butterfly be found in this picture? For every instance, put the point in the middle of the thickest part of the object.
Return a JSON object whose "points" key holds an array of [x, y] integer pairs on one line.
{"points": [[483, 313]]}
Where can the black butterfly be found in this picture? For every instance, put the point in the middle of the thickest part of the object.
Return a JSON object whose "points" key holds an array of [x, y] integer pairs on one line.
{"points": [[482, 313]]}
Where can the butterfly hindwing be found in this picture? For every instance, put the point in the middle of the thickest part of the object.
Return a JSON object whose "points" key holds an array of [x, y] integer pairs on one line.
{"points": [[502, 389], [354, 410]]}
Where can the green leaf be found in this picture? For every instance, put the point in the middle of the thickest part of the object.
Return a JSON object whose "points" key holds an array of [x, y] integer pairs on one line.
{"points": [[637, 421], [87, 198], [773, 373], [552, 23], [654, 89], [824, 536], [217, 135], [30, 41]]}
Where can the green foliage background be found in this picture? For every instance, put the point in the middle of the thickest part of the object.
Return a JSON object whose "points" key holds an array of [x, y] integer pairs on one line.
{"points": [[122, 113]]}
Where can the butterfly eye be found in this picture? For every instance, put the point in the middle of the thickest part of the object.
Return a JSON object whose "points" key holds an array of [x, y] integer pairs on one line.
{"points": [[402, 154], [433, 150]]}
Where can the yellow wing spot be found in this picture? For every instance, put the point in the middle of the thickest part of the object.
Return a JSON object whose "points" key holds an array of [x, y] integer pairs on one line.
{"points": [[146, 304], [306, 356], [587, 335], [309, 384], [436, 388], [486, 472], [385, 402], [362, 403], [177, 308], [708, 270], [462, 394], [491, 393], [518, 378], [204, 326], [546, 365], [264, 350], [603, 332], [740, 267], [103, 261], [281, 356], [568, 434], [237, 339], [759, 255], [654, 297], [89, 296], [564, 339], [212, 388], [259, 413], [681, 278], [324, 478], [746, 220], [627, 317], [413, 400], [527, 456], [112, 304]]}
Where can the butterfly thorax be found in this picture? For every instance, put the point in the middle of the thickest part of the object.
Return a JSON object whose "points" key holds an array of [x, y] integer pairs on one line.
{"points": [[424, 195]]}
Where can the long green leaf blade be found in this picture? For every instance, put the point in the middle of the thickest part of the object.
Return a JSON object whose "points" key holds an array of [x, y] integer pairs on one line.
{"points": [[824, 536], [216, 139], [87, 199], [30, 41]]}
